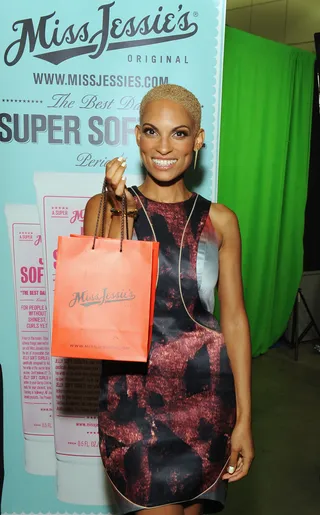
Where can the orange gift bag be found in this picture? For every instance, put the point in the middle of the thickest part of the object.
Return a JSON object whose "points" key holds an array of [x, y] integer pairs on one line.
{"points": [[104, 297]]}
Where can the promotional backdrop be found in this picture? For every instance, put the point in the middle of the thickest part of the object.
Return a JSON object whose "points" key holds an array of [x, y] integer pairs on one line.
{"points": [[73, 75]]}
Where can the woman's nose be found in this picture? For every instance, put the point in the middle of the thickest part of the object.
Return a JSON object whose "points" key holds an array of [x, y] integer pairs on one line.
{"points": [[164, 146]]}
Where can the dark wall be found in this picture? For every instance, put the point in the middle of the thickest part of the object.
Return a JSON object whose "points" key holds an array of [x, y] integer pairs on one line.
{"points": [[312, 219]]}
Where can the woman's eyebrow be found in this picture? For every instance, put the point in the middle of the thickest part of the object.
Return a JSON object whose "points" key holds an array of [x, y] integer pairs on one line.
{"points": [[174, 129], [180, 127], [150, 124]]}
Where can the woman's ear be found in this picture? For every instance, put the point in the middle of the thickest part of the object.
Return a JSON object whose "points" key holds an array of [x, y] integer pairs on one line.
{"points": [[137, 131], [199, 141]]}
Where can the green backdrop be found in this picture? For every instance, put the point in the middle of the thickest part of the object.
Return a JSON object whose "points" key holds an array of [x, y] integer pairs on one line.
{"points": [[264, 161]]}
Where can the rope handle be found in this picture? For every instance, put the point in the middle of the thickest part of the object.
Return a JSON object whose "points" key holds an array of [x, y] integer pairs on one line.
{"points": [[102, 208]]}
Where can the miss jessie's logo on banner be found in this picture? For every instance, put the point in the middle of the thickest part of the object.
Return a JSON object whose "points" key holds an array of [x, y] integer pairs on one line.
{"points": [[47, 35]]}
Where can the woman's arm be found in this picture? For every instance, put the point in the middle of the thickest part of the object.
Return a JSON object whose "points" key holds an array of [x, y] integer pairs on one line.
{"points": [[90, 217], [115, 185], [235, 328]]}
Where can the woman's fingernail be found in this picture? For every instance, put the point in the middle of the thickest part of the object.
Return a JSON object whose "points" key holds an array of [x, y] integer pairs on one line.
{"points": [[124, 164], [121, 159], [124, 179], [231, 469]]}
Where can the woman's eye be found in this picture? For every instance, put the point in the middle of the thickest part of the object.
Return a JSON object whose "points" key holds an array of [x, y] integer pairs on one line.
{"points": [[150, 131], [181, 134]]}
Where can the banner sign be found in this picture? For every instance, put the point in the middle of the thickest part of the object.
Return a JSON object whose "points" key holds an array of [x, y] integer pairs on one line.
{"points": [[73, 76]]}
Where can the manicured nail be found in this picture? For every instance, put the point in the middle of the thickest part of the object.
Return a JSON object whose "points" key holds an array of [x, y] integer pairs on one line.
{"points": [[231, 469], [124, 164], [121, 159]]}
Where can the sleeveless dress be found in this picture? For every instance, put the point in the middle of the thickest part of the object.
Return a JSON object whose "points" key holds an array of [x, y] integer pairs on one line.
{"points": [[165, 426]]}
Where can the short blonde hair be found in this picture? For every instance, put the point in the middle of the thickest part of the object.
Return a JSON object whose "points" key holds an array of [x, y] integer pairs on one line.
{"points": [[177, 94]]}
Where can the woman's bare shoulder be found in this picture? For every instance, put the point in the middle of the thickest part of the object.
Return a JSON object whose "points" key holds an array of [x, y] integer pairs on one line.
{"points": [[223, 214], [223, 219]]}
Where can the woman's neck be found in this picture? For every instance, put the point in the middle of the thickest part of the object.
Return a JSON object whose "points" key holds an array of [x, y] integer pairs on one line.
{"points": [[176, 192]]}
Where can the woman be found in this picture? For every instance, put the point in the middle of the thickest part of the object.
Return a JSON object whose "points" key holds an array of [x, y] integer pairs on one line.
{"points": [[174, 432]]}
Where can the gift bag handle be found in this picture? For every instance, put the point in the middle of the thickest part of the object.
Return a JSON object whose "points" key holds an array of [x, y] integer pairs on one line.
{"points": [[103, 207]]}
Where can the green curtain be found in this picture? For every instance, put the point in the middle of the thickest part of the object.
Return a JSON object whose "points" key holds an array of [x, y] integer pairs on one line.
{"points": [[263, 175]]}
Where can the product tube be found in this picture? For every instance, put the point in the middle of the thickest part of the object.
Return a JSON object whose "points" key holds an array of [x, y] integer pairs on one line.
{"points": [[33, 338]]}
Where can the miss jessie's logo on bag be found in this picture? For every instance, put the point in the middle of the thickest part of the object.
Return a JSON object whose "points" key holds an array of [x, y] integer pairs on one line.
{"points": [[86, 299]]}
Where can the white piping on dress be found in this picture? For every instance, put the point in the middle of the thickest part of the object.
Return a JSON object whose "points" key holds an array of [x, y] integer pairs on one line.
{"points": [[152, 229], [179, 270]]}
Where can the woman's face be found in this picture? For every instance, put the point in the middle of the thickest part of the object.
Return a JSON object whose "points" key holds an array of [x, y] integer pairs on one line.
{"points": [[167, 138]]}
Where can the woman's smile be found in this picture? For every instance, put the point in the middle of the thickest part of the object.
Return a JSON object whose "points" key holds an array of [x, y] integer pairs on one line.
{"points": [[163, 164]]}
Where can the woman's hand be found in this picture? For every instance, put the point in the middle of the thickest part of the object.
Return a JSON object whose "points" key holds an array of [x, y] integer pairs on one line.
{"points": [[242, 452], [116, 183]]}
